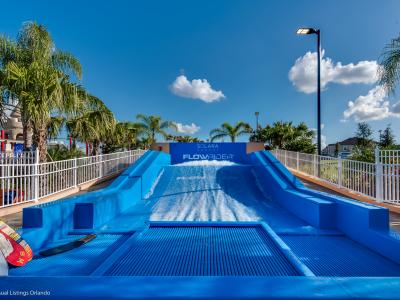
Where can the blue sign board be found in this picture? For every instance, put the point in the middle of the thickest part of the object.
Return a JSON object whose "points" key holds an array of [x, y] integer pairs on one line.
{"points": [[183, 152], [18, 148]]}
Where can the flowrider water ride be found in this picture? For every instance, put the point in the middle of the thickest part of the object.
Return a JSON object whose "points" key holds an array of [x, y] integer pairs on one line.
{"points": [[208, 220]]}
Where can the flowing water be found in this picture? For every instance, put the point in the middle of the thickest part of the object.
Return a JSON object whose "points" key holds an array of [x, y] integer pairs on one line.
{"points": [[207, 191]]}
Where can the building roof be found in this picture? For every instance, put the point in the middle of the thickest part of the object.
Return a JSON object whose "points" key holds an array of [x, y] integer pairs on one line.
{"points": [[349, 141]]}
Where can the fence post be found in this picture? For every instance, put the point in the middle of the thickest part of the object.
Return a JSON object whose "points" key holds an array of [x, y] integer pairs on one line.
{"points": [[36, 178], [285, 157], [315, 165], [297, 161], [340, 171], [101, 166], [75, 172], [378, 176]]}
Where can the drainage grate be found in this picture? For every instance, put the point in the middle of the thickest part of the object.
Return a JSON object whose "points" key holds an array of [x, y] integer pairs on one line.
{"points": [[202, 251], [339, 256]]}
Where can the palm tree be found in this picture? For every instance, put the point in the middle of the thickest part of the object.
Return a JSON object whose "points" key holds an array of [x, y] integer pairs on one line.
{"points": [[54, 126], [390, 65], [38, 75], [91, 123], [123, 136], [183, 139], [151, 126], [231, 131], [285, 135]]}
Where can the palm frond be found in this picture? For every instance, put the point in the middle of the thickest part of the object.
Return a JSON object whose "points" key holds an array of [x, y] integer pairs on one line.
{"points": [[67, 63], [389, 65], [218, 137]]}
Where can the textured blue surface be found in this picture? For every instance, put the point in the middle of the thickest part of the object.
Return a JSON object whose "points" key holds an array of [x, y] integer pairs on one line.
{"points": [[77, 262], [183, 152], [328, 235], [340, 256], [202, 251]]}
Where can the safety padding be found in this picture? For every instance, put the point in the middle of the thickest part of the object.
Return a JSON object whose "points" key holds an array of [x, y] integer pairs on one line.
{"points": [[364, 223], [83, 215], [282, 188], [32, 217], [48, 222]]}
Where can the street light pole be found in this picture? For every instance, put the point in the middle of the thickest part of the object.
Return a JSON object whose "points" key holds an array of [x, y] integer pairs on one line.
{"points": [[303, 31], [256, 131], [319, 91]]}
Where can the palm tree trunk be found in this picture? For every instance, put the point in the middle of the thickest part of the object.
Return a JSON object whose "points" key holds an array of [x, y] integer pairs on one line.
{"points": [[27, 133], [40, 140], [95, 147]]}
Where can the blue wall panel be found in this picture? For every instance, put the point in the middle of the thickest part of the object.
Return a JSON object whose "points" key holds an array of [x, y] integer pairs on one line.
{"points": [[48, 222], [184, 152]]}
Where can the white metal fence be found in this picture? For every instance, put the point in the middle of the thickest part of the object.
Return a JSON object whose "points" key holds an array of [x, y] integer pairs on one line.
{"points": [[24, 179], [379, 180]]}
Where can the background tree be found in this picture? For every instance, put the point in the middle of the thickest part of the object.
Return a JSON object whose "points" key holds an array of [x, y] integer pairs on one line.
{"points": [[286, 136], [38, 74], [230, 131], [151, 126], [387, 138], [54, 126], [61, 152], [364, 150], [183, 139], [91, 123], [364, 135], [124, 136], [337, 147]]}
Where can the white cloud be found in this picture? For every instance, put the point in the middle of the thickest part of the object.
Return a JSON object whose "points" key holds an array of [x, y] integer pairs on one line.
{"points": [[371, 107], [323, 137], [323, 141], [187, 129], [303, 74], [396, 108], [195, 89]]}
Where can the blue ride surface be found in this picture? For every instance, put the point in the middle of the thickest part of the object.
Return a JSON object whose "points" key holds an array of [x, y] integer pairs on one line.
{"points": [[242, 228]]}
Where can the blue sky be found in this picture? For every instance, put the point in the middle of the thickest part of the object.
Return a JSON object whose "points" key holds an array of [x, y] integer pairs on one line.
{"points": [[133, 51]]}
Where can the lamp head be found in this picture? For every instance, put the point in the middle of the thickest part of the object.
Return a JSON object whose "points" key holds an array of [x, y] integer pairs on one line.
{"points": [[303, 31]]}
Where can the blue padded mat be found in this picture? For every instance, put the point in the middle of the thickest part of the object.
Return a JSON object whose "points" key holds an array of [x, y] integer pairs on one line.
{"points": [[339, 256], [202, 251], [80, 261]]}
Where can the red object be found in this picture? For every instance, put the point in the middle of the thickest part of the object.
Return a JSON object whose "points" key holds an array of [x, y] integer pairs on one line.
{"points": [[16, 251], [70, 142], [3, 144]]}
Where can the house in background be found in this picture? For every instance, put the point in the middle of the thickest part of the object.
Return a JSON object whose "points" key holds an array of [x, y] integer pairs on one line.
{"points": [[12, 133], [341, 149]]}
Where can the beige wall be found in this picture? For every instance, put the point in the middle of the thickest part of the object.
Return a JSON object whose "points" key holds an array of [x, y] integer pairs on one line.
{"points": [[254, 147], [164, 147]]}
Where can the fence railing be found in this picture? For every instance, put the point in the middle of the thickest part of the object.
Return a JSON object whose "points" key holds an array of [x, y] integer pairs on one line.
{"points": [[379, 180], [24, 179]]}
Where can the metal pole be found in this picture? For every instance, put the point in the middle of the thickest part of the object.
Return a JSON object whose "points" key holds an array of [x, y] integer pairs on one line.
{"points": [[378, 176], [319, 98], [36, 178], [256, 131], [319, 90]]}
